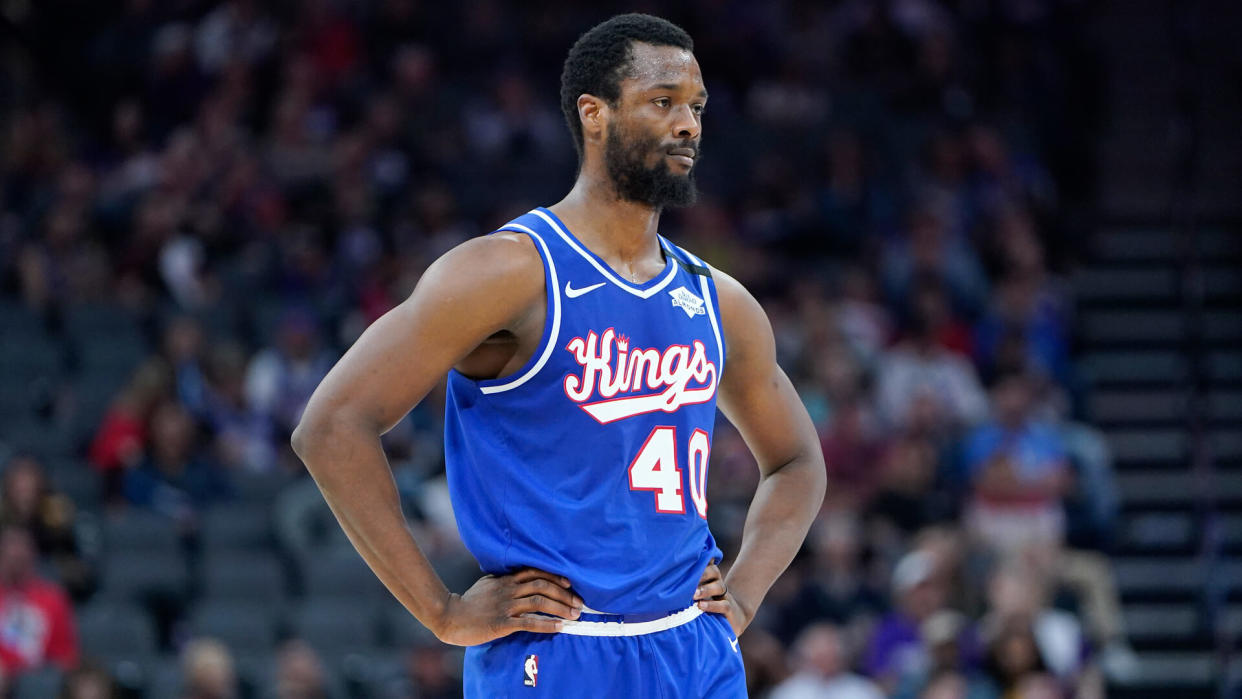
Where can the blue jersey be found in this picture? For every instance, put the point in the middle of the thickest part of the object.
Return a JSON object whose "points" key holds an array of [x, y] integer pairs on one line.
{"points": [[591, 460]]}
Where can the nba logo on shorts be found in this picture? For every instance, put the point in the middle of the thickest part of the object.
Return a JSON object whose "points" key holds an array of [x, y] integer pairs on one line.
{"points": [[531, 668]]}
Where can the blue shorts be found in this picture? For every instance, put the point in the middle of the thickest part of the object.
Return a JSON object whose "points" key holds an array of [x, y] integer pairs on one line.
{"points": [[699, 658]]}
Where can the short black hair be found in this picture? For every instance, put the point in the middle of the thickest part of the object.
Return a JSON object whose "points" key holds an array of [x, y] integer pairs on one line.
{"points": [[597, 61]]}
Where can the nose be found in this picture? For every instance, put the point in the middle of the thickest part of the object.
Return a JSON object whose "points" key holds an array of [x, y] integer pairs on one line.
{"points": [[686, 124]]}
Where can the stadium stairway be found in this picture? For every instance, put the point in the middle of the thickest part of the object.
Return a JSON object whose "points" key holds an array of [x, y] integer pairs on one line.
{"points": [[1167, 392], [1160, 321]]}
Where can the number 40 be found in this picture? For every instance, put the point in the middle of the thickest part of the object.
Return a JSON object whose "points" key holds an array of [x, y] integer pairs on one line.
{"points": [[655, 468]]}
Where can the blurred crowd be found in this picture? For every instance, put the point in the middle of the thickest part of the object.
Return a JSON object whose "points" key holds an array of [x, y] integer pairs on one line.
{"points": [[202, 204]]}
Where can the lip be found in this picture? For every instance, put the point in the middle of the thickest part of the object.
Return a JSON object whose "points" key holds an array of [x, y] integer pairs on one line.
{"points": [[683, 159]]}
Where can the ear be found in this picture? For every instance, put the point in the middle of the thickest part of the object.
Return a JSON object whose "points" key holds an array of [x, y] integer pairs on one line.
{"points": [[593, 114]]}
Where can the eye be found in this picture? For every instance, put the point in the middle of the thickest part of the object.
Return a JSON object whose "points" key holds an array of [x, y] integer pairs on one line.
{"points": [[699, 108], [662, 102]]}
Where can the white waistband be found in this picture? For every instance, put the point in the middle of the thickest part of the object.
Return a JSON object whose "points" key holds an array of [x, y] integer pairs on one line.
{"points": [[617, 628]]}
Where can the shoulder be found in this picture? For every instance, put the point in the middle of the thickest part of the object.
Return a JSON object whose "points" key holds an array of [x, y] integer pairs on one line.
{"points": [[747, 333], [740, 312], [504, 254], [505, 266]]}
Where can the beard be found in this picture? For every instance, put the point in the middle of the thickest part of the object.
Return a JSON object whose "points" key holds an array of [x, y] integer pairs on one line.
{"points": [[656, 186]]}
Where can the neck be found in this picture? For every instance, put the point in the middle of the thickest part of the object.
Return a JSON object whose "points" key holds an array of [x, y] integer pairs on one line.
{"points": [[622, 232]]}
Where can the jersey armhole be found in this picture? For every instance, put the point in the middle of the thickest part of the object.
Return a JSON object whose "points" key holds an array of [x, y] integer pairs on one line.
{"points": [[707, 286], [551, 321]]}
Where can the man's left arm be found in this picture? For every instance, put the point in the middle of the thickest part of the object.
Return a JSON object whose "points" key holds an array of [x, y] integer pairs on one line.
{"points": [[758, 398]]}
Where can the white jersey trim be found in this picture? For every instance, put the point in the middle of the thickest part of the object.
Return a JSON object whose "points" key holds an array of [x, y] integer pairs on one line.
{"points": [[642, 628], [553, 334], [603, 269]]}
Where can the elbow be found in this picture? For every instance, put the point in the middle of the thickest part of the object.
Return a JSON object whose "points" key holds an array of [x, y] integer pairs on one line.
{"points": [[301, 438], [819, 486], [816, 475], [325, 436], [306, 436]]}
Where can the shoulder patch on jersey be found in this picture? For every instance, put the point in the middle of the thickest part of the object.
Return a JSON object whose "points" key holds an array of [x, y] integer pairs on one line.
{"points": [[685, 299]]}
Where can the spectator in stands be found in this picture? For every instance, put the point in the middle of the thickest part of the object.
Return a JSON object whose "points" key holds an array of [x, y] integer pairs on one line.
{"points": [[831, 376], [242, 438], [765, 661], [236, 30], [1094, 505], [1028, 320], [183, 350], [851, 203], [896, 647], [28, 500], [299, 673], [174, 479], [951, 684], [834, 585], [930, 309], [36, 619], [852, 451], [428, 669], [122, 435], [949, 548], [207, 670], [1001, 179], [1018, 591], [280, 379], [1043, 686], [510, 124], [822, 662], [919, 381], [907, 498], [951, 647], [929, 249], [1019, 472], [87, 681], [862, 319], [1013, 655]]}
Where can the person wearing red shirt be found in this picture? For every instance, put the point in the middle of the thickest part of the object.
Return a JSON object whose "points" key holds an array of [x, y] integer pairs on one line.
{"points": [[36, 619]]}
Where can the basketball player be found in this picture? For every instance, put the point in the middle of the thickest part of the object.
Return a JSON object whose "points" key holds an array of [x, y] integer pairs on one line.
{"points": [[585, 355]]}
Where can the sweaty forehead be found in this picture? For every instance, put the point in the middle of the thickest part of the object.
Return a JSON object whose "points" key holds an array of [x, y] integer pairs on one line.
{"points": [[654, 65]]}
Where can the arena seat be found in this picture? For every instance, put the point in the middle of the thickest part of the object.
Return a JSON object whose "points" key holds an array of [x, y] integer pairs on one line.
{"points": [[399, 628], [40, 683], [133, 529], [1225, 366], [1164, 577], [1162, 622], [237, 525], [76, 479], [339, 572], [243, 575], [1158, 532], [163, 679], [116, 630], [246, 627], [141, 575], [335, 626], [45, 439]]}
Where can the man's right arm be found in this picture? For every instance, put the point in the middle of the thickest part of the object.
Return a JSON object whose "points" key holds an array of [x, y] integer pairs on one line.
{"points": [[480, 288]]}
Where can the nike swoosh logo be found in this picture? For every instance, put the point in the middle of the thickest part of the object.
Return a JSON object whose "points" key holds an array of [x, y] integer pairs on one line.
{"points": [[575, 293], [733, 642]]}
